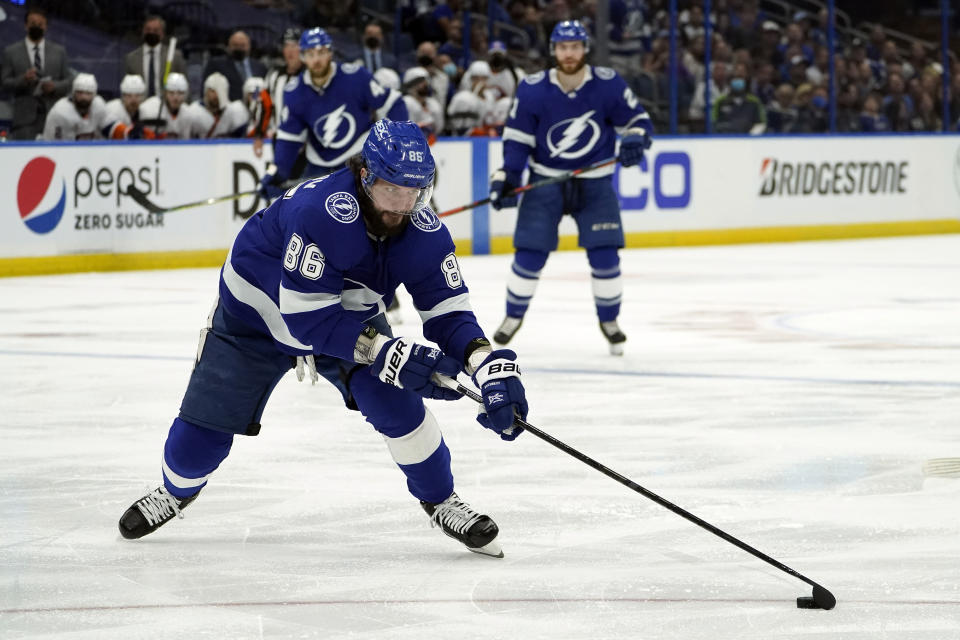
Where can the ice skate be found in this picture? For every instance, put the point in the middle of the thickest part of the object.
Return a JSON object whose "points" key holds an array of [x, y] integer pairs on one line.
{"points": [[456, 519], [507, 329], [151, 512], [613, 334]]}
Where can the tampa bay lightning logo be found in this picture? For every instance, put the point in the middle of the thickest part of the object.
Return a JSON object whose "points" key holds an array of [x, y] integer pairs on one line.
{"points": [[574, 137], [605, 73], [342, 207], [426, 220], [336, 129]]}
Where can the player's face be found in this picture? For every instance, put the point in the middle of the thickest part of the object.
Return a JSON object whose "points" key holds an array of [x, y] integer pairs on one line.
{"points": [[393, 205], [82, 100], [175, 99], [211, 98], [571, 55], [131, 101], [318, 61]]}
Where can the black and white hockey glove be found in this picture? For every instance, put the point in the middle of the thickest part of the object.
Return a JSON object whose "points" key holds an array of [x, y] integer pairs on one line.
{"points": [[498, 378], [406, 364]]}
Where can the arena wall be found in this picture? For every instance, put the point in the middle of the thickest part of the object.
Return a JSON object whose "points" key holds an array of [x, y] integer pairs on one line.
{"points": [[69, 211]]}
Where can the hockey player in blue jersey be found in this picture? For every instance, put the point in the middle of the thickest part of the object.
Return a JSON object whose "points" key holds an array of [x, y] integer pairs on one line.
{"points": [[306, 282], [329, 108], [561, 120]]}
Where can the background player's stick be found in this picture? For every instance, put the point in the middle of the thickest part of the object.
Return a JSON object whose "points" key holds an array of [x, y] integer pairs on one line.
{"points": [[171, 49], [535, 185], [141, 198], [822, 598]]}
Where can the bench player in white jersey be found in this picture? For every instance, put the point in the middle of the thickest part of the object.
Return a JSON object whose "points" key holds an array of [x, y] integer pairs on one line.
{"points": [[122, 116], [172, 117], [78, 116], [230, 118], [562, 120]]}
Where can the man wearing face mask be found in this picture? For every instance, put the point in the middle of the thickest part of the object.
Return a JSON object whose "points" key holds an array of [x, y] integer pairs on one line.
{"points": [[440, 78], [238, 66], [35, 72], [149, 60], [739, 111], [373, 56], [79, 116]]}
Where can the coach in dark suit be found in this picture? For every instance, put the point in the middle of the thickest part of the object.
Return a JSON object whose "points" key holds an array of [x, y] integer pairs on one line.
{"points": [[35, 71], [149, 60], [237, 66]]}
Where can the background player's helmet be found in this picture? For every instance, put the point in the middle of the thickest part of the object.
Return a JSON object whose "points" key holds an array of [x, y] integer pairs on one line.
{"points": [[133, 84], [176, 82], [568, 31], [85, 82], [314, 39], [398, 153]]}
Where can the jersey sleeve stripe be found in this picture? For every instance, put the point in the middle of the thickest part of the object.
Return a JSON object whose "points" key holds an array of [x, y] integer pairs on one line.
{"points": [[635, 120], [388, 104], [450, 305], [261, 303], [292, 137], [509, 133], [299, 302]]}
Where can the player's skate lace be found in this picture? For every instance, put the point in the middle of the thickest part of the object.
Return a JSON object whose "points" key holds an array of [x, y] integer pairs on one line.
{"points": [[507, 329], [308, 363], [159, 505], [454, 515]]}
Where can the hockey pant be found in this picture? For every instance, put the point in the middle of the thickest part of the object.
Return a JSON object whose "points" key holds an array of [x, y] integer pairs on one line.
{"points": [[235, 373]]}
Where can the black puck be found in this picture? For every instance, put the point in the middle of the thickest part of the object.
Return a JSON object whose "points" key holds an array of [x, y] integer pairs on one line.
{"points": [[807, 602]]}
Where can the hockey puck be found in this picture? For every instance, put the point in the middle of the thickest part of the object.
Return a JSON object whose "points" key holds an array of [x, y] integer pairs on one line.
{"points": [[807, 602]]}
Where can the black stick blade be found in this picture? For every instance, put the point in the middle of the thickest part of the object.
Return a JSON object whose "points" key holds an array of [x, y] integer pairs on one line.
{"points": [[823, 598], [141, 199]]}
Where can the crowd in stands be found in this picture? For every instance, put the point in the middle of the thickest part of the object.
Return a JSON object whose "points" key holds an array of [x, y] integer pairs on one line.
{"points": [[767, 75]]}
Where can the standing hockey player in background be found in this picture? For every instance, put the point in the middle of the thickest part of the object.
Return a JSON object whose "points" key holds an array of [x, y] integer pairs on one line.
{"points": [[330, 108], [562, 120], [305, 281]]}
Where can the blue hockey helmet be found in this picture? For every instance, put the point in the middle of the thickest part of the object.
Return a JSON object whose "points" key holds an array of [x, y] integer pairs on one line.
{"points": [[315, 38], [570, 31], [398, 153]]}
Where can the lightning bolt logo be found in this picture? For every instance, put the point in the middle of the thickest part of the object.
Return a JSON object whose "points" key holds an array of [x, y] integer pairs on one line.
{"points": [[328, 127], [572, 131]]}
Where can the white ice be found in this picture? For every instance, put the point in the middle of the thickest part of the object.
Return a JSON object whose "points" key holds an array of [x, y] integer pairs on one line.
{"points": [[789, 394]]}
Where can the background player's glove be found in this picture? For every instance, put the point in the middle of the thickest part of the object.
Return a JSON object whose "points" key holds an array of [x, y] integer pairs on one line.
{"points": [[406, 364], [503, 182], [634, 142], [498, 378], [271, 184]]}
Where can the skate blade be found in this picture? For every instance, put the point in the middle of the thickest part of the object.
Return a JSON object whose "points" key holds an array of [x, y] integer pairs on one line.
{"points": [[616, 349], [491, 549]]}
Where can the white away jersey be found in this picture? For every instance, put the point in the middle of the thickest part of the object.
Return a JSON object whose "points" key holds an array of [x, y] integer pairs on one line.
{"points": [[190, 121], [231, 122], [64, 123], [560, 131]]}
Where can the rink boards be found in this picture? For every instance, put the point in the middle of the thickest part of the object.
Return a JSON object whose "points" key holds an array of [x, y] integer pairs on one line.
{"points": [[67, 210]]}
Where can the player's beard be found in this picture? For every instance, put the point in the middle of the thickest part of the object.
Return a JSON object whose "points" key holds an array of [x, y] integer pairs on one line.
{"points": [[571, 68], [318, 73]]}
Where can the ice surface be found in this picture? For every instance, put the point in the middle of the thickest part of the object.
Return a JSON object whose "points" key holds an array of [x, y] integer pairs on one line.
{"points": [[787, 393]]}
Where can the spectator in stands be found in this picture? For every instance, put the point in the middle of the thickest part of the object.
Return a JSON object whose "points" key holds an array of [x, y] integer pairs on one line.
{"points": [[453, 46], [797, 71], [440, 81], [739, 111], [794, 40], [918, 62], [443, 17], [122, 115], [373, 56], [230, 117], [768, 46], [871, 120], [781, 114], [925, 118], [423, 108], [955, 97], [150, 59], [819, 71], [896, 105], [78, 116], [36, 73], [719, 86], [504, 76], [809, 118], [764, 82], [478, 41], [237, 66], [874, 49]]}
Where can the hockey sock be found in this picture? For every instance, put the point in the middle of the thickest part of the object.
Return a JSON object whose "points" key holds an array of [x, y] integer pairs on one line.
{"points": [[606, 281], [523, 279], [190, 455]]}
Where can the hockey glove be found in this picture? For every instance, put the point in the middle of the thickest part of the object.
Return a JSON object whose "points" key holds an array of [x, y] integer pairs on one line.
{"points": [[502, 182], [498, 379], [634, 142], [406, 364], [271, 185]]}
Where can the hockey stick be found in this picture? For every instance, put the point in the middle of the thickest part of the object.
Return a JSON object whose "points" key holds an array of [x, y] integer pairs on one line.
{"points": [[563, 177], [141, 198], [822, 598]]}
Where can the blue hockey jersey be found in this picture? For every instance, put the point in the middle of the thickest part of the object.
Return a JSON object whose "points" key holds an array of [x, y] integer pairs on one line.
{"points": [[333, 119], [306, 272], [560, 131]]}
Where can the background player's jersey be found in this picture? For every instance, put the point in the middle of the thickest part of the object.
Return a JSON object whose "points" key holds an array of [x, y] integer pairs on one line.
{"points": [[231, 122], [116, 121], [333, 119], [64, 123], [191, 120], [306, 273], [561, 131]]}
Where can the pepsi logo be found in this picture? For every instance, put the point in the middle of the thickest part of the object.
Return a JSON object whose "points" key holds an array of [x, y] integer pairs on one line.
{"points": [[40, 201]]}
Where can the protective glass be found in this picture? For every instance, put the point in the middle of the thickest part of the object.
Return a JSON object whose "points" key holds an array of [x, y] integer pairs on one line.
{"points": [[392, 198]]}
